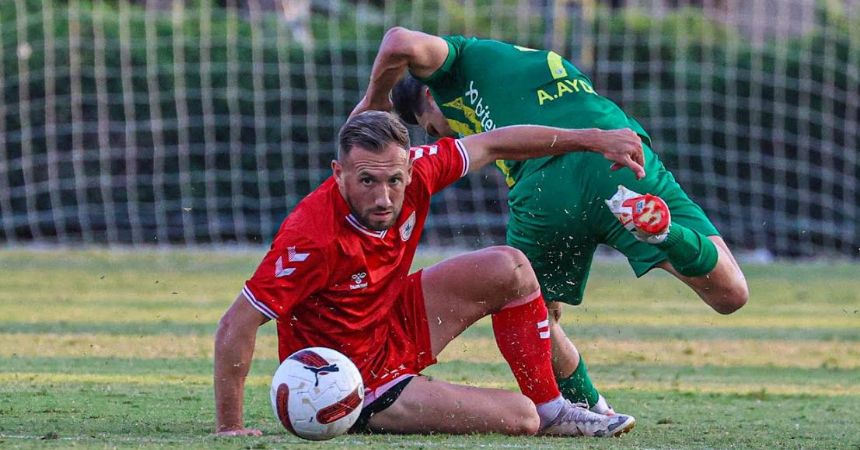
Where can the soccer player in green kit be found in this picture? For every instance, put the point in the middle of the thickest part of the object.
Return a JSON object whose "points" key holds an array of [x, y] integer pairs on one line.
{"points": [[561, 207]]}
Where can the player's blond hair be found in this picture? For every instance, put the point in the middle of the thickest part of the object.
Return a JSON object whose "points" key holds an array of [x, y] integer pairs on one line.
{"points": [[372, 131]]}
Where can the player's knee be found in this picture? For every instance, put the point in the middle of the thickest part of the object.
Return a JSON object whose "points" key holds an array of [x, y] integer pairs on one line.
{"points": [[524, 417], [733, 297], [554, 311], [515, 270]]}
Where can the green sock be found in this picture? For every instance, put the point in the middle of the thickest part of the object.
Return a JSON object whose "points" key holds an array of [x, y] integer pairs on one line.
{"points": [[690, 252], [577, 387]]}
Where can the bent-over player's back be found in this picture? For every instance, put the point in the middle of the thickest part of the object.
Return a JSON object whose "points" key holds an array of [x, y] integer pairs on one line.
{"points": [[485, 84]]}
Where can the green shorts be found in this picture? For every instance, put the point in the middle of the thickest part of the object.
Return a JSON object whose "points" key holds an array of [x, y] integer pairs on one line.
{"points": [[558, 217]]}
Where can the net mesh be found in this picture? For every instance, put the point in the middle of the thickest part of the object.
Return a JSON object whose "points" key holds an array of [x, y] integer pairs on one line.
{"points": [[164, 122]]}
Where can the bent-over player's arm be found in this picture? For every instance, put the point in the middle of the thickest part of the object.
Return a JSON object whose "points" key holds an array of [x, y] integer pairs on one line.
{"points": [[400, 49], [623, 147], [234, 349]]}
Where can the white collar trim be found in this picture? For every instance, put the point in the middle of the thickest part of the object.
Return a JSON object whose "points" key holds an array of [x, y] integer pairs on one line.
{"points": [[358, 226]]}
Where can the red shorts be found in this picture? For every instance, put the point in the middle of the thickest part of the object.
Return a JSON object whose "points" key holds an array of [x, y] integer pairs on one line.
{"points": [[410, 329], [396, 343]]}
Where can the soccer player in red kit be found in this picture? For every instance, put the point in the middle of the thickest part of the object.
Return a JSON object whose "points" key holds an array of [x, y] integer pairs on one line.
{"points": [[337, 276]]}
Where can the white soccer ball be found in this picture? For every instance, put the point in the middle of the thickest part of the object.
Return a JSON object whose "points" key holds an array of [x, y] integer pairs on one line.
{"points": [[317, 393]]}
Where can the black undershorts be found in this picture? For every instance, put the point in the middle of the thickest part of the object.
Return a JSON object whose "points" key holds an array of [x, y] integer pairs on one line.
{"points": [[380, 404]]}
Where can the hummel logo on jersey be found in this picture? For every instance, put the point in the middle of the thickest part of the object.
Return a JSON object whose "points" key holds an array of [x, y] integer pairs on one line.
{"points": [[292, 256], [358, 280]]}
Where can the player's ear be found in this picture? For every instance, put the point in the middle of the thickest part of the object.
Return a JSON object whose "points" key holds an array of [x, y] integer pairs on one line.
{"points": [[337, 171], [408, 173], [427, 95]]}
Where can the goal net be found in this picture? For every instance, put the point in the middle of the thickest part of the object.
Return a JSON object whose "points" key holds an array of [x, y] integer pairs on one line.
{"points": [[195, 122]]}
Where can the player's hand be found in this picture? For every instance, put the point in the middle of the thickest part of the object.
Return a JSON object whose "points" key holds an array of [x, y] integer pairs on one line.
{"points": [[239, 432], [624, 148], [368, 104]]}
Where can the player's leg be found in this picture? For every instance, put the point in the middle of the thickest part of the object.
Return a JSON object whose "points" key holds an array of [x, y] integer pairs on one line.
{"points": [[571, 372], [724, 288], [561, 250], [465, 288], [427, 406], [691, 249], [430, 406], [500, 281], [687, 245], [565, 356]]}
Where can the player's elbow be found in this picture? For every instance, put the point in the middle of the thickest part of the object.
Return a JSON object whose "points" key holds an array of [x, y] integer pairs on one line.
{"points": [[234, 346], [230, 330], [224, 331], [398, 42], [396, 33]]}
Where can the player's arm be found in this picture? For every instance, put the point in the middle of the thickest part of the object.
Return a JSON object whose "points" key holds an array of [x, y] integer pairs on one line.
{"points": [[400, 49], [623, 147], [234, 349]]}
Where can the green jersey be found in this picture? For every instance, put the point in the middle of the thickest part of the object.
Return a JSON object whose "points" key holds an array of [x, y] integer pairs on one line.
{"points": [[557, 211], [485, 84]]}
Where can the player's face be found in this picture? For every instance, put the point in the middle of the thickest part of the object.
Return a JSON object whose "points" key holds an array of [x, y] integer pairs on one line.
{"points": [[374, 184], [433, 121]]}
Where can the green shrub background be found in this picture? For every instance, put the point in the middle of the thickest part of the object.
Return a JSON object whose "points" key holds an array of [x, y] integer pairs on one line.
{"points": [[764, 136]]}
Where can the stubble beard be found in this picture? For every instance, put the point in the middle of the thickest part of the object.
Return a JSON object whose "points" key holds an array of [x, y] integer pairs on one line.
{"points": [[364, 218]]}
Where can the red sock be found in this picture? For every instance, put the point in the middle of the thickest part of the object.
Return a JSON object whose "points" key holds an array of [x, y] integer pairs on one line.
{"points": [[522, 334]]}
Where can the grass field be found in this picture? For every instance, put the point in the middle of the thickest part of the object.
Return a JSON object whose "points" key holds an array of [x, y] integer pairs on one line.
{"points": [[114, 348]]}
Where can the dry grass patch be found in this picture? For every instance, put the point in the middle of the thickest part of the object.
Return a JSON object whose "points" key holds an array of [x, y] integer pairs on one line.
{"points": [[722, 353], [94, 345]]}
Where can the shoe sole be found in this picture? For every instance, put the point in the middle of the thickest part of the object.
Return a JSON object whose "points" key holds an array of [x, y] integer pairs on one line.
{"points": [[625, 429]]}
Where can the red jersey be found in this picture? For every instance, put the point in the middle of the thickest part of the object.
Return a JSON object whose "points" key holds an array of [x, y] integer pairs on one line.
{"points": [[331, 282]]}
